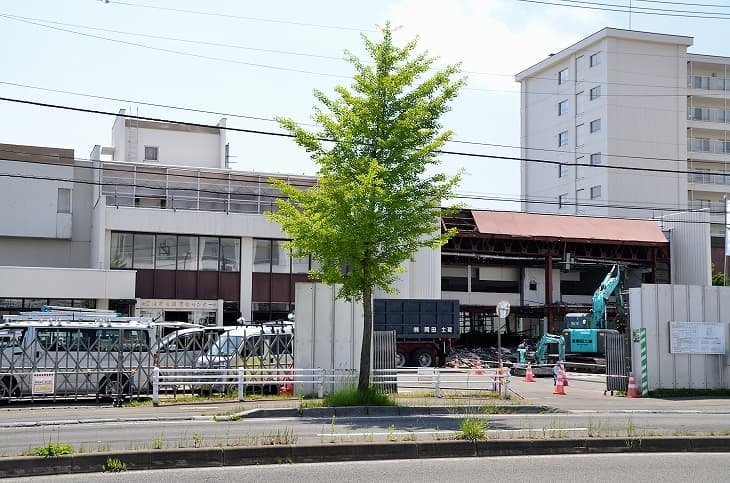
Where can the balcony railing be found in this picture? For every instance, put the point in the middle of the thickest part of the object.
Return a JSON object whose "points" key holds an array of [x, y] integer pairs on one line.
{"points": [[703, 145], [709, 177], [708, 114], [714, 207], [172, 188], [708, 83]]}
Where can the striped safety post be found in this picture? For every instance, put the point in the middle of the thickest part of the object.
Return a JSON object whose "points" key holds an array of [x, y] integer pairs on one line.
{"points": [[644, 364]]}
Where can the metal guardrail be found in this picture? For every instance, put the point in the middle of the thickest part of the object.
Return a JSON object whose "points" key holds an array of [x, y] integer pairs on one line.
{"points": [[285, 379]]}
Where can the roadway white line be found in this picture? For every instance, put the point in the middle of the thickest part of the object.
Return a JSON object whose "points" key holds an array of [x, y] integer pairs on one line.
{"points": [[450, 432]]}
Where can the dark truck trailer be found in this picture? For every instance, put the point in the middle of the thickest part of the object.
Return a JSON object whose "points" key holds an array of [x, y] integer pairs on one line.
{"points": [[424, 328]]}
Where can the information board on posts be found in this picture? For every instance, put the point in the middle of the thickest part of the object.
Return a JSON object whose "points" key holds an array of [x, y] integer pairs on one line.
{"points": [[696, 337]]}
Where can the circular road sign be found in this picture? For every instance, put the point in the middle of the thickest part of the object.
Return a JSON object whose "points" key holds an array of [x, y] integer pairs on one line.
{"points": [[503, 309]]}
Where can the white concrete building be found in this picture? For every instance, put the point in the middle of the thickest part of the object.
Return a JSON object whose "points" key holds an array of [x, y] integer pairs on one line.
{"points": [[46, 233], [627, 99]]}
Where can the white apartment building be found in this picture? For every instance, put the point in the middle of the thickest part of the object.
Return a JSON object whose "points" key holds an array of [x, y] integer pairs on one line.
{"points": [[627, 99]]}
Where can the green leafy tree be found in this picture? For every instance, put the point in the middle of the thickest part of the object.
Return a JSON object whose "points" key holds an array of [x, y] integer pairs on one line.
{"points": [[375, 202]]}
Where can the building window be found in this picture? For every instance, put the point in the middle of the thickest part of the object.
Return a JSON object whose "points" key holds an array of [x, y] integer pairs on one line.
{"points": [[562, 107], [596, 125], [187, 253], [144, 251], [595, 192], [563, 200], [230, 255], [595, 92], [562, 170], [595, 159], [595, 59], [209, 251], [563, 76], [150, 153], [563, 139], [166, 252], [122, 247], [64, 200]]}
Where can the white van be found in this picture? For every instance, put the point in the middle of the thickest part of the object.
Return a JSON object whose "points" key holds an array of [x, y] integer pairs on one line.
{"points": [[49, 354], [252, 346], [181, 348]]}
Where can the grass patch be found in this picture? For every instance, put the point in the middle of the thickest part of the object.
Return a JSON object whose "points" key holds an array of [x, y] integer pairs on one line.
{"points": [[472, 429], [685, 392], [114, 465], [52, 449], [353, 397]]}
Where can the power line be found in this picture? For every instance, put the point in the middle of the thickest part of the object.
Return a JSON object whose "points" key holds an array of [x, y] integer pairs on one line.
{"points": [[584, 204], [173, 51], [625, 9], [241, 17], [244, 116], [175, 39], [35, 22], [286, 135]]}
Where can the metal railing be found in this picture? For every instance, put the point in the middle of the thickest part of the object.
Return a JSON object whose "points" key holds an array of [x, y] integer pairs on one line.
{"points": [[703, 145], [708, 83], [715, 207], [305, 381], [709, 177], [708, 114]]}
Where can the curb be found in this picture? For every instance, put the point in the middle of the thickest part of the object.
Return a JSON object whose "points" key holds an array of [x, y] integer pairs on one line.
{"points": [[384, 411], [193, 458]]}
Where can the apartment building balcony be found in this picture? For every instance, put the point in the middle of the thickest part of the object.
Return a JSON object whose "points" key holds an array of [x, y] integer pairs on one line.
{"points": [[704, 117], [709, 181], [708, 149], [708, 86], [715, 208]]}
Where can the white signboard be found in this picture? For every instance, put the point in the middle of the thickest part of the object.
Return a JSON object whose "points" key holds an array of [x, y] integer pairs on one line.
{"points": [[696, 337], [43, 383]]}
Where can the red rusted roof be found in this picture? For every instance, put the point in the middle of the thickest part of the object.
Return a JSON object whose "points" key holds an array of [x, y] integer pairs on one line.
{"points": [[515, 224]]}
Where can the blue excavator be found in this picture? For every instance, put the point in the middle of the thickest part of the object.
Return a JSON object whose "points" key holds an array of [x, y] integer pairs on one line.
{"points": [[585, 333]]}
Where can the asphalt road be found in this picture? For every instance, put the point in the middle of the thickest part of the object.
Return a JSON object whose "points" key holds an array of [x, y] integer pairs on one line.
{"points": [[137, 435], [635, 467]]}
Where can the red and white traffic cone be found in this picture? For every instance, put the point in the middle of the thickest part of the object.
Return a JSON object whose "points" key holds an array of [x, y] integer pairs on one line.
{"points": [[559, 386], [529, 377], [632, 391]]}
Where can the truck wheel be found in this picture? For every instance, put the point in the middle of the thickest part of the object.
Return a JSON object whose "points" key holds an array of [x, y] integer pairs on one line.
{"points": [[400, 359], [424, 358]]}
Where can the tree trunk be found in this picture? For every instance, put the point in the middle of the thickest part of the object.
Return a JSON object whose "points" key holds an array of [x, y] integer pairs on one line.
{"points": [[367, 337]]}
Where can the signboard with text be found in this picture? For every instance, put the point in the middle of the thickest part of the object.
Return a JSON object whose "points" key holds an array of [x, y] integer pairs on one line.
{"points": [[696, 337], [43, 383]]}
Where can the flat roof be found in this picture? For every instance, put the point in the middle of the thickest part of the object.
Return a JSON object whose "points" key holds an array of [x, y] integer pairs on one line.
{"points": [[514, 224], [601, 34]]}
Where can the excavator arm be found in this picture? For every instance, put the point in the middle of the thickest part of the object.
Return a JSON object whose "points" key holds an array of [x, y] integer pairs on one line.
{"points": [[611, 285]]}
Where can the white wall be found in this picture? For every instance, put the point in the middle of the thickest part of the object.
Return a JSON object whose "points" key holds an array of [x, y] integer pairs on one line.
{"points": [[66, 283], [537, 297], [184, 221], [180, 148], [652, 307], [690, 248], [29, 207], [328, 333]]}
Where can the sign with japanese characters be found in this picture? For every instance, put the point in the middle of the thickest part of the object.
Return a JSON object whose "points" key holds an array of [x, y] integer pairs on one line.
{"points": [[696, 337]]}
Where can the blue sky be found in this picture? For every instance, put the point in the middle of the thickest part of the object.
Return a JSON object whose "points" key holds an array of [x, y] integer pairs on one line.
{"points": [[494, 39]]}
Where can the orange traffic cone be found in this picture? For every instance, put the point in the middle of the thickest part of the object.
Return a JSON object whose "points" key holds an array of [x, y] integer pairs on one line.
{"points": [[529, 377], [287, 388], [632, 392], [478, 370], [565, 375], [559, 386]]}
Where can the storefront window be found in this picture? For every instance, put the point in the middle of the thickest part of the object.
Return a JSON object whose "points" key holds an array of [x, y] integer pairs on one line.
{"points": [[144, 251], [230, 255], [262, 255], [121, 250], [166, 253], [280, 255], [187, 253], [209, 248]]}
